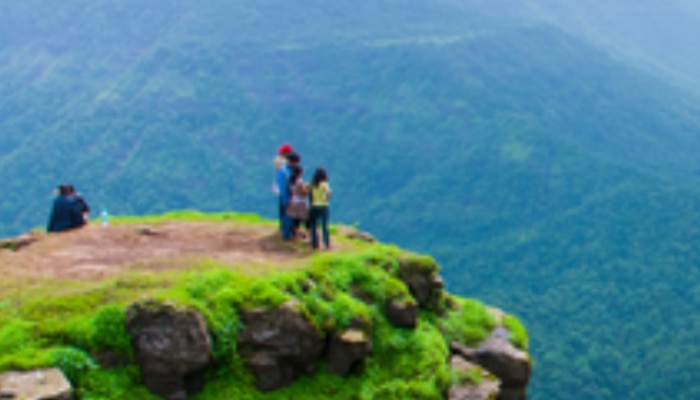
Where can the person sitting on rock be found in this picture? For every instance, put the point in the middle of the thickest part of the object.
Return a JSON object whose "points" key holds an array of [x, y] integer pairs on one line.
{"points": [[66, 213], [82, 204]]}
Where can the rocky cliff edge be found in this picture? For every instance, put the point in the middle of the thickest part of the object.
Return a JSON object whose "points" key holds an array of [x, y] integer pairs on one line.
{"points": [[214, 306]]}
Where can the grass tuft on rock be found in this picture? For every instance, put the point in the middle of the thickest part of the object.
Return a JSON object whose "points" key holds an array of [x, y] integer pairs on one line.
{"points": [[518, 334]]}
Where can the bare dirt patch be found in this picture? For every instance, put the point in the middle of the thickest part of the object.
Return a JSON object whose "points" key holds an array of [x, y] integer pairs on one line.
{"points": [[96, 252]]}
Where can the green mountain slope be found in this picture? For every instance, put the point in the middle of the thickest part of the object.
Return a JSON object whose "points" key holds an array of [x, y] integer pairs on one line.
{"points": [[660, 37], [608, 284], [545, 177]]}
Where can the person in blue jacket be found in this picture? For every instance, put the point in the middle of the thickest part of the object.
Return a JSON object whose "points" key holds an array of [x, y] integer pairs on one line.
{"points": [[66, 213], [283, 175], [280, 162], [83, 206]]}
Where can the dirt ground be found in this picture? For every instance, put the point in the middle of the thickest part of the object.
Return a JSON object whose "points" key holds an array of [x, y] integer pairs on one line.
{"points": [[97, 252]]}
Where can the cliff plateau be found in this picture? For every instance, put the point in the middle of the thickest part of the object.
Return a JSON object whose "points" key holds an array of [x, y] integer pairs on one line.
{"points": [[215, 306]]}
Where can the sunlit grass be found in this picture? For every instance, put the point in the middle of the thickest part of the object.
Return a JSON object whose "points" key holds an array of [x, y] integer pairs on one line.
{"points": [[193, 216]]}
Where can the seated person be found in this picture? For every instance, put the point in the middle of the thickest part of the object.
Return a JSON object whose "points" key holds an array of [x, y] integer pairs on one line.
{"points": [[67, 213], [82, 204]]}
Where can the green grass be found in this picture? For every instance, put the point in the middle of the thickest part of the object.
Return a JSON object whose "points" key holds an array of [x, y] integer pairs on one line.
{"points": [[518, 333], [470, 323], [472, 375], [421, 262], [193, 216]]}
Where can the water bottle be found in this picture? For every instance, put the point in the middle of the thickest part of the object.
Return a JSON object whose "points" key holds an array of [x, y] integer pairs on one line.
{"points": [[104, 216]]}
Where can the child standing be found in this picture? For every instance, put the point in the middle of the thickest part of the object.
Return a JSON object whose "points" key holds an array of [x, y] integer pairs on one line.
{"points": [[319, 213], [298, 207]]}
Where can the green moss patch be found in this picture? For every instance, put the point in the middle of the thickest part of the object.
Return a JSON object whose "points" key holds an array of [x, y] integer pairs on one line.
{"points": [[469, 323], [518, 333]]}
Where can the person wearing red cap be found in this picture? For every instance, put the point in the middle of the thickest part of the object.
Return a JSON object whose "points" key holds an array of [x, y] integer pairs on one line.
{"points": [[280, 186], [285, 149], [281, 159]]}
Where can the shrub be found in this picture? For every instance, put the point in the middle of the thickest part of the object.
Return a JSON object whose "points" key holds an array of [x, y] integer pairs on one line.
{"points": [[113, 384], [469, 324], [109, 330], [264, 293], [420, 262], [15, 335], [224, 323], [202, 285], [74, 363]]}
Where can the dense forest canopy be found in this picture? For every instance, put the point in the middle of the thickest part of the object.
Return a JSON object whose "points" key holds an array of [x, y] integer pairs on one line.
{"points": [[549, 173]]}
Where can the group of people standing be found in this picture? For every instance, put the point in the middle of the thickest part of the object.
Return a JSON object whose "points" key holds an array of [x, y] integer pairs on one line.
{"points": [[70, 210], [303, 208], [301, 204]]}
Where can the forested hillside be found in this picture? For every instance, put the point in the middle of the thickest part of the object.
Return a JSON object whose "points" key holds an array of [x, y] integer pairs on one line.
{"points": [[660, 37], [545, 176]]}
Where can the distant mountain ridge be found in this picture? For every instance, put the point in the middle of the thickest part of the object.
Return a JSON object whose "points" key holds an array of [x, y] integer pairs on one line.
{"points": [[659, 37]]}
